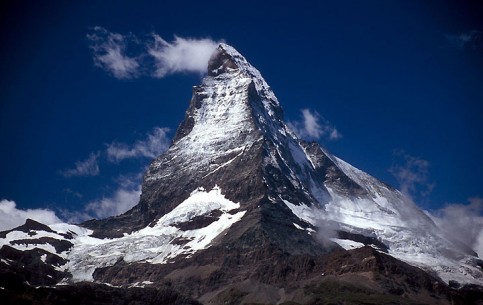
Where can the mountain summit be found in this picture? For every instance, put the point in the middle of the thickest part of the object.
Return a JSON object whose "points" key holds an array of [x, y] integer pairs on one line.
{"points": [[239, 207]]}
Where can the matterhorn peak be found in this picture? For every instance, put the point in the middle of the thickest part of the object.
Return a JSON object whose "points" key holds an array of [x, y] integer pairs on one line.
{"points": [[237, 198], [225, 59]]}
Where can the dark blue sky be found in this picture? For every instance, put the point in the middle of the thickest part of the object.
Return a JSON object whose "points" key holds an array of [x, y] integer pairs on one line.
{"points": [[402, 81]]}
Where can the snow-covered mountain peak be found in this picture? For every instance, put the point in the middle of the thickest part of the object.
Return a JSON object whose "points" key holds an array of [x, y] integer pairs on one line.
{"points": [[232, 110], [237, 180], [226, 59], [227, 62]]}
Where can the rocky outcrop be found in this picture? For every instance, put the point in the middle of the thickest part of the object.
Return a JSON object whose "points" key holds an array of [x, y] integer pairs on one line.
{"points": [[218, 276], [15, 291]]}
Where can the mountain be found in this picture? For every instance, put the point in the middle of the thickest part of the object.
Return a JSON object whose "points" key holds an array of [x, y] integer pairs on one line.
{"points": [[239, 210]]}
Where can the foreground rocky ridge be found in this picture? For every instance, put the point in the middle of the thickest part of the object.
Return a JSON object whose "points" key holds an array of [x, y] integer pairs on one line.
{"points": [[240, 211], [264, 275]]}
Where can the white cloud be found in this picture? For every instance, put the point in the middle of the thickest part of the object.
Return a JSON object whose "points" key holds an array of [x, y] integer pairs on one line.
{"points": [[74, 217], [152, 146], [155, 143], [463, 223], [313, 126], [412, 174], [121, 200], [152, 56], [181, 55], [88, 167], [128, 187], [11, 217], [124, 197], [478, 246], [109, 51]]}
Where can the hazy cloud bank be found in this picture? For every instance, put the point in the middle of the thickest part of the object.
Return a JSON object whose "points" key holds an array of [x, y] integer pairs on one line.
{"points": [[462, 222], [459, 222]]}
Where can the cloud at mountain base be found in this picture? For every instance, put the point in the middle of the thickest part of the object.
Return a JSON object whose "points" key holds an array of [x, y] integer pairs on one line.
{"points": [[11, 216], [119, 202], [462, 222]]}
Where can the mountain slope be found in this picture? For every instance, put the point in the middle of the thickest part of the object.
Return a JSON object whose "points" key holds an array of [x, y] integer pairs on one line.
{"points": [[239, 202]]}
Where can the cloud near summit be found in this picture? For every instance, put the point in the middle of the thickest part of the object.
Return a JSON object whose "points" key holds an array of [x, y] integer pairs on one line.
{"points": [[182, 55], [128, 57]]}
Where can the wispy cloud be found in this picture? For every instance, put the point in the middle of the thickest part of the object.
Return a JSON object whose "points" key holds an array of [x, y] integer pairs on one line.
{"points": [[155, 143], [472, 39], [110, 53], [87, 167], [412, 174], [128, 188], [121, 200], [313, 126], [462, 223], [124, 197], [181, 55], [127, 56], [11, 216]]}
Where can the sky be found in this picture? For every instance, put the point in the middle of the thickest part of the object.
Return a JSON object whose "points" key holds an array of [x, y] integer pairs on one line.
{"points": [[92, 91]]}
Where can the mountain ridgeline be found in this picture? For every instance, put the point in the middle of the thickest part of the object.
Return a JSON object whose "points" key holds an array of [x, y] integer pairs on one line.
{"points": [[239, 210]]}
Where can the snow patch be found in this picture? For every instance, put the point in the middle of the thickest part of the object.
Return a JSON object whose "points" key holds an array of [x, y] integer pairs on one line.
{"points": [[412, 240], [162, 242], [140, 284], [347, 244], [303, 212]]}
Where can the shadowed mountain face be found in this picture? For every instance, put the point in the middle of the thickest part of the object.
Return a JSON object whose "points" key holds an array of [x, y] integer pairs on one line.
{"points": [[239, 210]]}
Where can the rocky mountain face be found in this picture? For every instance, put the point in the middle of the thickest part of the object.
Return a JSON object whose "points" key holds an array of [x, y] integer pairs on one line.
{"points": [[238, 211]]}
